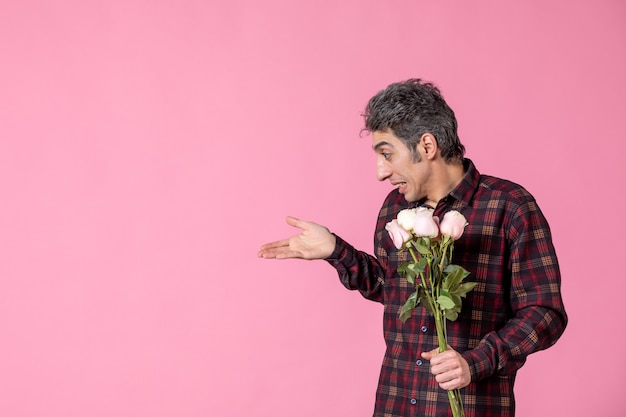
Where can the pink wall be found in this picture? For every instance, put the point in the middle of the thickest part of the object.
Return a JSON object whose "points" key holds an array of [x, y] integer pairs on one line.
{"points": [[147, 148]]}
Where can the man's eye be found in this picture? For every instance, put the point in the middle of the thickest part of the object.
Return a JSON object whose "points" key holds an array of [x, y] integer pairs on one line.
{"points": [[386, 155]]}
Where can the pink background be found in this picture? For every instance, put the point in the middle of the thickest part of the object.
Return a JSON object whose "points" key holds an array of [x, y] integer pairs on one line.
{"points": [[147, 149]]}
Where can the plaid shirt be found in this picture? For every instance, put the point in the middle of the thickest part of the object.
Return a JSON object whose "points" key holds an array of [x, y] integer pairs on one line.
{"points": [[514, 310]]}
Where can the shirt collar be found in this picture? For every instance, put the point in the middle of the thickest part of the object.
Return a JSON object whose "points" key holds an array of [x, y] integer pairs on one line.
{"points": [[467, 187]]}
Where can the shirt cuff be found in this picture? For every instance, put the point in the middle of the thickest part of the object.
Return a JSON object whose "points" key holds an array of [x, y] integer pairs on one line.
{"points": [[340, 246], [480, 363]]}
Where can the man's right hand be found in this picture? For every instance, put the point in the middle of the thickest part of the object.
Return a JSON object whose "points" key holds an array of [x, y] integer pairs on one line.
{"points": [[315, 242]]}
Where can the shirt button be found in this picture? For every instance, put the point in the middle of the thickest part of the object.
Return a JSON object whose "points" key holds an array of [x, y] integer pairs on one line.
{"points": [[419, 362], [413, 401], [424, 329]]}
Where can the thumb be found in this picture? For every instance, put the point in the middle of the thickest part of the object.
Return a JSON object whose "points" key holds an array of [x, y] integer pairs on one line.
{"points": [[295, 222], [429, 355]]}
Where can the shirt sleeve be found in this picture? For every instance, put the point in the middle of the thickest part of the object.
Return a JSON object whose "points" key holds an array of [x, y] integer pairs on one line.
{"points": [[358, 270], [539, 316]]}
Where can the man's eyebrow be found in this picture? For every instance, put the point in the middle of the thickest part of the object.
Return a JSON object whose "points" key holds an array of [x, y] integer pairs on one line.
{"points": [[381, 144]]}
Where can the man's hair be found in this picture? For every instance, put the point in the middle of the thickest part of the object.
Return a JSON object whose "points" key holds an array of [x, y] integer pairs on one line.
{"points": [[410, 109]]}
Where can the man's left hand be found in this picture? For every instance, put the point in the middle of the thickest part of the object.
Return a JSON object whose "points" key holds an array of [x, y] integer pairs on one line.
{"points": [[450, 369]]}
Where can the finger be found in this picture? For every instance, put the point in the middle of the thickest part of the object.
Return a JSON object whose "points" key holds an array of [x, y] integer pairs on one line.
{"points": [[279, 253], [444, 378], [291, 254], [266, 254], [441, 357], [276, 244], [450, 385], [295, 222], [429, 355], [271, 250]]}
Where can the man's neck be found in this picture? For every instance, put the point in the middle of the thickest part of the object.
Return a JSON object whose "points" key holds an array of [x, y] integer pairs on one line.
{"points": [[446, 178]]}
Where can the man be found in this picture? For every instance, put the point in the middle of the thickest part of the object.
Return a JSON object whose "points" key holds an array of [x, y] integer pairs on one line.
{"points": [[516, 307]]}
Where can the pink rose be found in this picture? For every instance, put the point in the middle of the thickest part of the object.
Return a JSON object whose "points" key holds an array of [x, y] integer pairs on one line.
{"points": [[425, 224], [453, 224], [398, 234]]}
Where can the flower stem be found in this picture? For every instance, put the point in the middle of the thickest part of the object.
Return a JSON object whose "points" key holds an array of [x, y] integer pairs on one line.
{"points": [[432, 294], [415, 259], [456, 405]]}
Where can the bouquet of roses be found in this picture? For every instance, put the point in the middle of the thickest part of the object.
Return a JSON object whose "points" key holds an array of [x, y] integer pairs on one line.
{"points": [[438, 283]]}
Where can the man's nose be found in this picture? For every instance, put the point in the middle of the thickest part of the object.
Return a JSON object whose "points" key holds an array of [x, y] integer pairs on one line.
{"points": [[382, 171]]}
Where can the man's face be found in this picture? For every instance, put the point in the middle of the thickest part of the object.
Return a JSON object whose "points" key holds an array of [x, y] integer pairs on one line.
{"points": [[394, 162]]}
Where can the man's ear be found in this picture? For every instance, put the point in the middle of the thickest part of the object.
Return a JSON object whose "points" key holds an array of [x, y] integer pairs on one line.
{"points": [[429, 144]]}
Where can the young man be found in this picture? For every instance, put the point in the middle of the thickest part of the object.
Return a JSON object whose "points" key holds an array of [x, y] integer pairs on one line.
{"points": [[515, 309]]}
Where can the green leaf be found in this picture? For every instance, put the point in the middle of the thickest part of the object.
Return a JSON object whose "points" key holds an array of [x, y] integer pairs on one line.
{"points": [[455, 274], [407, 309], [407, 269], [413, 268], [423, 298], [420, 266], [463, 289], [410, 279], [457, 301], [451, 315], [445, 301], [422, 248]]}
